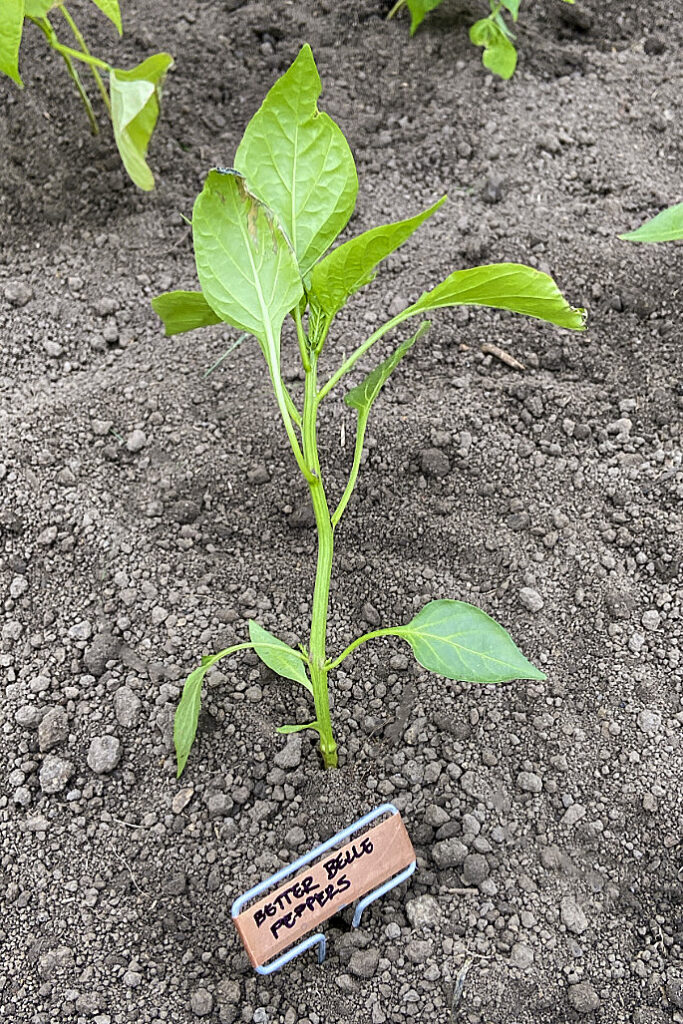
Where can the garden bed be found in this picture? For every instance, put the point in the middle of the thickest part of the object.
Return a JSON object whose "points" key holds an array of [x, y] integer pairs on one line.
{"points": [[147, 512]]}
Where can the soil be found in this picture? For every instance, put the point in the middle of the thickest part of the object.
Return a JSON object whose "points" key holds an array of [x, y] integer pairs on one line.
{"points": [[148, 510]]}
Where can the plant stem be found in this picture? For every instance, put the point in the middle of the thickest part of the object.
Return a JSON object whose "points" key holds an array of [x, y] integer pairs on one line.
{"points": [[51, 36], [385, 631], [81, 42], [321, 592], [281, 395], [362, 349], [353, 476], [303, 343], [397, 7]]}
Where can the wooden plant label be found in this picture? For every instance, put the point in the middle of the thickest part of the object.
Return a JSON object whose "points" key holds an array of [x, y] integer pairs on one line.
{"points": [[278, 920]]}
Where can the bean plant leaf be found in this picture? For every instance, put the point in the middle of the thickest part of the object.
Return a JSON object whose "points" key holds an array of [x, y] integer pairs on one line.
{"points": [[297, 161], [285, 730], [364, 394], [187, 712], [419, 9], [278, 656], [499, 54], [667, 226], [111, 10], [11, 28], [458, 641], [352, 265], [511, 286], [135, 99], [246, 267], [183, 311]]}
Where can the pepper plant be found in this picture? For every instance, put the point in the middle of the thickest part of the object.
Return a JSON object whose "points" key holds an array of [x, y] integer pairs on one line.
{"points": [[492, 33], [262, 231], [133, 99]]}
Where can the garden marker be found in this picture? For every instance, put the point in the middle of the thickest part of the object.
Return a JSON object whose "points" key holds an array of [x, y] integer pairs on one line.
{"points": [[365, 868]]}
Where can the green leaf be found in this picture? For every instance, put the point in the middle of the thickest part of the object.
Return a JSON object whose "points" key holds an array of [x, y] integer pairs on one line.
{"points": [[418, 11], [513, 7], [297, 161], [183, 311], [111, 10], [11, 27], [278, 656], [350, 266], [285, 730], [39, 8], [667, 226], [135, 99], [246, 267], [499, 54], [459, 641], [364, 394], [509, 286], [187, 712]]}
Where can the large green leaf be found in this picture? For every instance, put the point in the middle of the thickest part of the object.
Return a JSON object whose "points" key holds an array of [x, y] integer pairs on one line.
{"points": [[11, 27], [499, 54], [350, 266], [278, 656], [297, 161], [135, 99], [364, 394], [509, 286], [111, 10], [184, 311], [418, 10], [459, 641], [667, 226], [245, 265]]}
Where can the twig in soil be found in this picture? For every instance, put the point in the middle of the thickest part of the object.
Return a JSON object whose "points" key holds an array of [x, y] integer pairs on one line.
{"points": [[459, 988], [225, 355], [122, 860], [489, 349], [463, 892]]}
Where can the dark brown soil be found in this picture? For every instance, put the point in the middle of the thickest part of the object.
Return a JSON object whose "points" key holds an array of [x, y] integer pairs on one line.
{"points": [[120, 567]]}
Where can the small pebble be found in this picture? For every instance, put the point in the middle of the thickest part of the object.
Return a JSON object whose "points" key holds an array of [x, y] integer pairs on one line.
{"points": [[104, 754]]}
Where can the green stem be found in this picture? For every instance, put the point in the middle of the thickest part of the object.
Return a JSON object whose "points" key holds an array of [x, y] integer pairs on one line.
{"points": [[291, 408], [81, 42], [321, 592], [353, 476], [303, 343], [66, 53], [397, 7], [280, 393], [387, 631], [362, 349]]}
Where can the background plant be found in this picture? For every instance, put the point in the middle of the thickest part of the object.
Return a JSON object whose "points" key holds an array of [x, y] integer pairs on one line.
{"points": [[262, 231], [133, 99], [492, 33], [667, 226]]}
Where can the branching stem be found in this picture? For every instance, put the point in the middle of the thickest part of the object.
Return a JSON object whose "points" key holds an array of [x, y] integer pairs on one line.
{"points": [[387, 631], [81, 42]]}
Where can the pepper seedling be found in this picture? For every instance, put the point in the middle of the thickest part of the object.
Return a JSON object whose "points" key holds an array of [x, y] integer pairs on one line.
{"points": [[133, 100], [262, 231], [492, 33]]}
